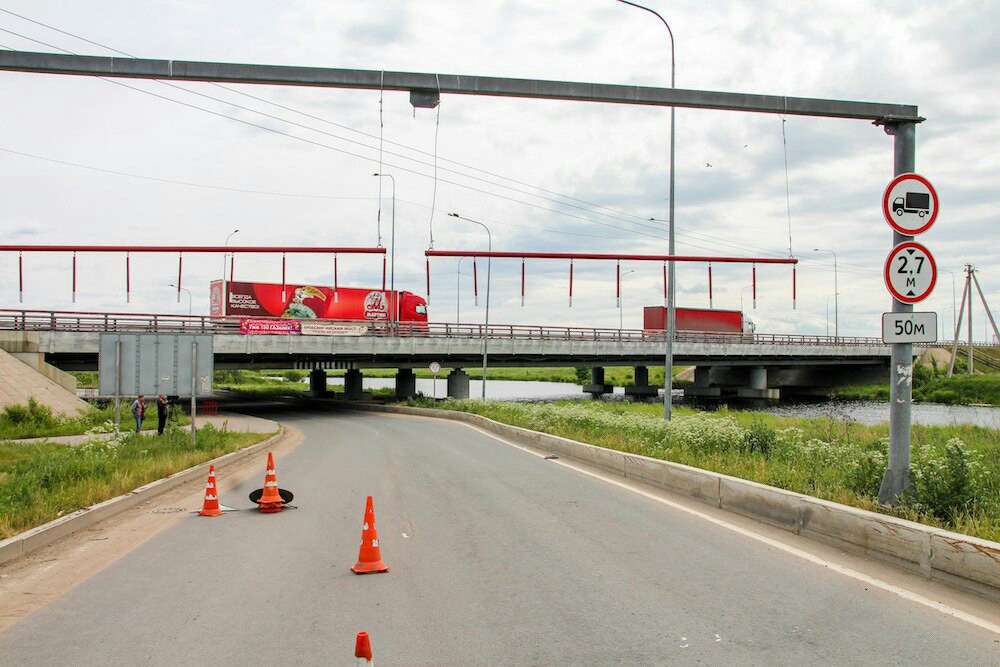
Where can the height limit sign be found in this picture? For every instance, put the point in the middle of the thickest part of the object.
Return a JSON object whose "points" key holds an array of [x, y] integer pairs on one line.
{"points": [[910, 272]]}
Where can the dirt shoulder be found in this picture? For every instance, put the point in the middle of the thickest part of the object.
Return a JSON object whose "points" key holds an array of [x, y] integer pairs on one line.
{"points": [[30, 582]]}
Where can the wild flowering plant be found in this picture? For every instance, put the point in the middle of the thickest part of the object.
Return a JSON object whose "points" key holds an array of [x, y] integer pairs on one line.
{"points": [[947, 479]]}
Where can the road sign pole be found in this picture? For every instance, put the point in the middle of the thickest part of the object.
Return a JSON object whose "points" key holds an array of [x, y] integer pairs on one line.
{"points": [[897, 475]]}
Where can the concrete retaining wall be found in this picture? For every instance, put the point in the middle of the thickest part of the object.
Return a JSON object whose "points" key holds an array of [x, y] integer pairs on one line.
{"points": [[28, 541], [956, 560], [37, 361]]}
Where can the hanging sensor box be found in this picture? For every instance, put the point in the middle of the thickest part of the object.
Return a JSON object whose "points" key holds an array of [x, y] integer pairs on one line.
{"points": [[425, 99]]}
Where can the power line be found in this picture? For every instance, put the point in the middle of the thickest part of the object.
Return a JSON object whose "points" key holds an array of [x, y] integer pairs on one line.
{"points": [[658, 228]]}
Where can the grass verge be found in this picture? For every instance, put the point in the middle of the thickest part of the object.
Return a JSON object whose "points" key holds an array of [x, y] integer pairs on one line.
{"points": [[955, 469], [35, 420], [42, 481]]}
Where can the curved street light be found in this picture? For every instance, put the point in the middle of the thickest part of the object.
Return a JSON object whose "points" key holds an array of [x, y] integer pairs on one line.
{"points": [[836, 295], [458, 291], [486, 326], [392, 251], [742, 290], [621, 304], [668, 377], [185, 289], [225, 253]]}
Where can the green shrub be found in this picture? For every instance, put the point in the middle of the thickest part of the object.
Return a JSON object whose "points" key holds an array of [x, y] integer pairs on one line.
{"points": [[866, 467], [761, 438], [945, 396], [294, 376], [32, 414], [946, 478]]}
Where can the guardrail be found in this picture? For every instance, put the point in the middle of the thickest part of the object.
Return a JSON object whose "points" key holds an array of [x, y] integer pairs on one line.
{"points": [[42, 320]]}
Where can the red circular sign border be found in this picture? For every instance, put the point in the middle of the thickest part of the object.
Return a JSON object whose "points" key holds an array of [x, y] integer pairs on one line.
{"points": [[887, 214], [888, 263]]}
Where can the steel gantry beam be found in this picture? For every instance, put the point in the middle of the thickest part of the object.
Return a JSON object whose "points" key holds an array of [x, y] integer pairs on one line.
{"points": [[425, 89], [452, 84]]}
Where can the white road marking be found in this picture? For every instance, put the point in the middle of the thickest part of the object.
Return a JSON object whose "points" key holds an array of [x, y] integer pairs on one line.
{"points": [[846, 571]]}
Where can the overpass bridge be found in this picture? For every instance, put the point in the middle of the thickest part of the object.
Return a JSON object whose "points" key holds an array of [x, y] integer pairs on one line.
{"points": [[761, 366]]}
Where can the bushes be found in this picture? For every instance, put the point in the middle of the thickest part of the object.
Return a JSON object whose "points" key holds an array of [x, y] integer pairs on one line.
{"points": [[33, 414], [947, 479]]}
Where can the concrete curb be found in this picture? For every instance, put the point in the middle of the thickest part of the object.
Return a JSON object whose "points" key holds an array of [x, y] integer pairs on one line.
{"points": [[956, 560], [40, 536]]}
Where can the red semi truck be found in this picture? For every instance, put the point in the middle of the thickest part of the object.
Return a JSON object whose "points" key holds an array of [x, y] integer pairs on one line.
{"points": [[314, 302], [712, 320]]}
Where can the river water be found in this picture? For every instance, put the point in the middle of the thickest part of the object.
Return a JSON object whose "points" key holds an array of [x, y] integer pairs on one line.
{"points": [[865, 412]]}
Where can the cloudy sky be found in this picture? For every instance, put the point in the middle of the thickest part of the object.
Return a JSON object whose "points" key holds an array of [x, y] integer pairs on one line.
{"points": [[87, 160]]}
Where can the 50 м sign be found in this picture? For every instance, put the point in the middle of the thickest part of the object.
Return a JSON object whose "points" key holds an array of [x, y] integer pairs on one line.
{"points": [[909, 327]]}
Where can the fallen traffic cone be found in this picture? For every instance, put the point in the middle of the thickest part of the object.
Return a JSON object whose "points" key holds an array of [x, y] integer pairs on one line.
{"points": [[363, 649], [270, 501], [370, 555], [211, 506]]}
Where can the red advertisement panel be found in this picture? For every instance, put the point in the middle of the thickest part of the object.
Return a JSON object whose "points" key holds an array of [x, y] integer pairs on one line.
{"points": [[255, 326]]}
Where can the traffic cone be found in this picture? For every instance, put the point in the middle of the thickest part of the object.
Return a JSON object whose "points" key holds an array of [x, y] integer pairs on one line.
{"points": [[270, 501], [370, 555], [363, 649], [211, 506]]}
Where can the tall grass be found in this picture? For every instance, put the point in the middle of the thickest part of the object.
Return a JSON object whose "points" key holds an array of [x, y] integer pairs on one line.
{"points": [[42, 481], [955, 469], [36, 420]]}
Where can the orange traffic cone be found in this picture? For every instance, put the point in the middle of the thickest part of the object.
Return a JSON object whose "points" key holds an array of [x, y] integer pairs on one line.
{"points": [[211, 506], [370, 555], [363, 649], [270, 501]]}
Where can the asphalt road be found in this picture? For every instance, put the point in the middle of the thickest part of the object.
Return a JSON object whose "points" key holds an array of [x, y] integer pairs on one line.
{"points": [[496, 556]]}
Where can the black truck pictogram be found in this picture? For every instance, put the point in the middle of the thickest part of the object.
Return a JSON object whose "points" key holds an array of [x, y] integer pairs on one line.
{"points": [[916, 202]]}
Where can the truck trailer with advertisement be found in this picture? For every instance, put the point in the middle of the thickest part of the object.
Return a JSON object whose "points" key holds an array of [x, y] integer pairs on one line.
{"points": [[243, 299], [703, 320]]}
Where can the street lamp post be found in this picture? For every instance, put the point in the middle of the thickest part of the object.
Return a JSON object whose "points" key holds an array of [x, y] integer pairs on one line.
{"points": [[486, 326], [668, 378], [392, 251], [458, 291], [185, 289], [741, 295], [836, 295], [225, 253], [621, 304], [832, 296], [954, 311]]}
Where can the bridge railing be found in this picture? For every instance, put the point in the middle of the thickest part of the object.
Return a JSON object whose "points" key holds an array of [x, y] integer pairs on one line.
{"points": [[75, 321]]}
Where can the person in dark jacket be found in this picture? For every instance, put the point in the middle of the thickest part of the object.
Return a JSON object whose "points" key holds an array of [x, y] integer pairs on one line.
{"points": [[162, 407]]}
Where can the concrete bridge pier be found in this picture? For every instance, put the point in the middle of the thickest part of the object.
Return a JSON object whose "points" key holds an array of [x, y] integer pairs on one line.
{"points": [[702, 384], [458, 384], [353, 384], [641, 387], [317, 382], [597, 387], [758, 386], [406, 383]]}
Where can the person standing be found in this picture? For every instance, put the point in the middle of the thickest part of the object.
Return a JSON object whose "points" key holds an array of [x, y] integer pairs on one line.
{"points": [[139, 412], [161, 413]]}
